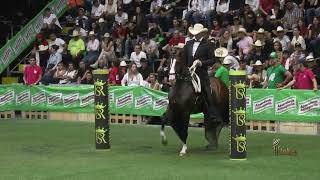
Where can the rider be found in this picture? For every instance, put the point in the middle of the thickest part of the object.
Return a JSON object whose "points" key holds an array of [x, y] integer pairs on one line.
{"points": [[200, 51]]}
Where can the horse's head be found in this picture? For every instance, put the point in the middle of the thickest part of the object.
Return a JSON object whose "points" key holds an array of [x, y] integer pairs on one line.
{"points": [[181, 69]]}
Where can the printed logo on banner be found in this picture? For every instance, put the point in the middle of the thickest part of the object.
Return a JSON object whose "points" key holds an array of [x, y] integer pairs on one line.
{"points": [[263, 104], [6, 97], [28, 34], [286, 105], [160, 103], [18, 44], [142, 101], [23, 97], [54, 98], [124, 100], [309, 105], [7, 53], [38, 98], [111, 98], [248, 101], [87, 99], [68, 100]]}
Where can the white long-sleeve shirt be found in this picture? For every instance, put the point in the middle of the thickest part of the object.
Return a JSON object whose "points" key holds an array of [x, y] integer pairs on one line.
{"points": [[93, 45], [254, 4], [132, 80], [222, 8]]}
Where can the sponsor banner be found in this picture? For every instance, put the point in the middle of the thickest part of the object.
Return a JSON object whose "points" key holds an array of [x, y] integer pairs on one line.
{"points": [[262, 104]]}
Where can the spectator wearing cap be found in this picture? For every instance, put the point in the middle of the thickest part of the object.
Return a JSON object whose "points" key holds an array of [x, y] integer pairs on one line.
{"points": [[304, 77], [297, 38], [96, 10], [266, 6], [137, 55], [144, 70], [76, 46], [259, 74], [282, 38], [265, 38], [292, 15], [312, 64], [245, 42], [121, 17], [32, 73], [40, 40], [257, 53], [277, 75], [93, 46], [104, 27]]}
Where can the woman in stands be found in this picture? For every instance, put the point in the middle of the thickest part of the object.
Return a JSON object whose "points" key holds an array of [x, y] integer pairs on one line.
{"points": [[58, 74], [70, 75], [132, 77]]}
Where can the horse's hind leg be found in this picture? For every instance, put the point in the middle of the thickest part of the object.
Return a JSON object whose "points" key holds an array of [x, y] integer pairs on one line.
{"points": [[210, 129]]}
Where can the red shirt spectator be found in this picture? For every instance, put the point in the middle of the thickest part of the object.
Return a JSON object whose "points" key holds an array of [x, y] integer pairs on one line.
{"points": [[266, 5], [176, 39], [33, 73], [40, 41], [304, 79], [119, 32]]}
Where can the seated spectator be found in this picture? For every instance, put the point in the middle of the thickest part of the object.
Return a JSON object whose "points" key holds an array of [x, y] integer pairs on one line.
{"points": [[101, 64], [110, 10], [302, 28], [96, 10], [176, 39], [277, 75], [152, 82], [83, 70], [256, 53], [82, 20], [297, 54], [54, 59], [43, 57], [76, 46], [107, 50], [151, 48], [226, 41], [122, 70], [32, 73], [114, 73], [298, 39], [175, 26], [277, 47], [292, 15], [194, 12], [132, 77], [121, 17], [244, 65], [245, 42], [59, 73], [137, 55], [258, 75], [236, 26], [314, 36], [209, 7], [285, 60], [88, 78], [82, 32], [234, 64], [70, 75], [54, 40], [50, 22], [303, 78], [216, 28], [40, 40], [222, 8], [144, 70], [92, 49], [282, 38], [119, 35], [266, 6], [266, 40]]}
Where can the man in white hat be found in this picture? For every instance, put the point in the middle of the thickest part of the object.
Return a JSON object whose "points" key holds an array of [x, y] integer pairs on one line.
{"points": [[200, 51], [76, 46], [282, 38], [244, 43], [93, 46]]}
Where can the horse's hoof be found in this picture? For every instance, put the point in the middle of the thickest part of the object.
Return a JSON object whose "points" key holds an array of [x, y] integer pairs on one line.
{"points": [[182, 154], [164, 142]]}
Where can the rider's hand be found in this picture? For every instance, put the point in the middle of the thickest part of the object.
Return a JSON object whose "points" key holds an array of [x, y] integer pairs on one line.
{"points": [[198, 63]]}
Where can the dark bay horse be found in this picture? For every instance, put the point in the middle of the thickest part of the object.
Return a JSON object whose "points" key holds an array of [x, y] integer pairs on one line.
{"points": [[183, 101]]}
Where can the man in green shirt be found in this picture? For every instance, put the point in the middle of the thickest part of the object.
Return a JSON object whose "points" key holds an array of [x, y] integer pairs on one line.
{"points": [[222, 72], [277, 75], [76, 45]]}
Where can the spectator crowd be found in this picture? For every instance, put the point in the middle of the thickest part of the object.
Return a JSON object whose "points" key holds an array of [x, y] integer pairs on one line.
{"points": [[277, 42]]}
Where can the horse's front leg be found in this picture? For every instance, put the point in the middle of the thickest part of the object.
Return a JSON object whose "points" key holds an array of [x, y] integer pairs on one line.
{"points": [[164, 120]]}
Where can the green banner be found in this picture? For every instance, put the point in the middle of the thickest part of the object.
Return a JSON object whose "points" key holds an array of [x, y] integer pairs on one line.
{"points": [[16, 45], [262, 104]]}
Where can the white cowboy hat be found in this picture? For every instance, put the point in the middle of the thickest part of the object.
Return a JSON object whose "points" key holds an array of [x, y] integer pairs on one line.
{"points": [[258, 43], [75, 33], [242, 30], [123, 63], [226, 61], [309, 58], [258, 63], [197, 28], [91, 33], [221, 52], [43, 48], [101, 20], [280, 29], [180, 45], [106, 35]]}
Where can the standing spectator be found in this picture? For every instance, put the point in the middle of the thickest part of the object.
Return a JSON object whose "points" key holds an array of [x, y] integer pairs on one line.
{"points": [[277, 75], [114, 78], [137, 55], [292, 15], [32, 74], [245, 42], [50, 22], [76, 46], [282, 38], [132, 77], [304, 77], [92, 49]]}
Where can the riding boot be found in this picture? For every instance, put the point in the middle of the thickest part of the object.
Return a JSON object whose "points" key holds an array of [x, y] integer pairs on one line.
{"points": [[212, 110]]}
